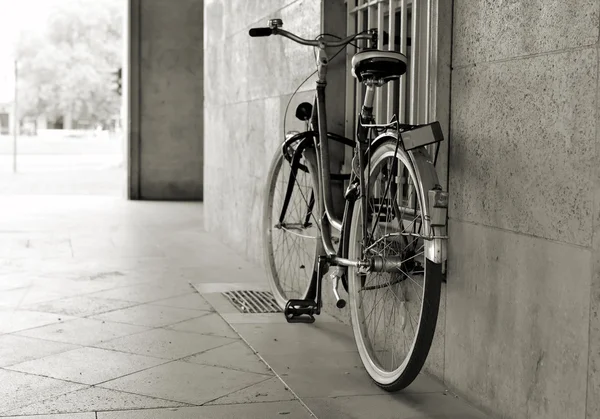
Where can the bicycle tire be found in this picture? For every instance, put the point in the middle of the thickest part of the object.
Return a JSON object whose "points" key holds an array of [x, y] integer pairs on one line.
{"points": [[292, 276], [399, 283]]}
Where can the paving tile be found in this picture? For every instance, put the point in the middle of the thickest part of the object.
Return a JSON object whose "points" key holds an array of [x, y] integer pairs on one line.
{"points": [[92, 399], [211, 324], [168, 344], [190, 301], [24, 296], [87, 365], [34, 245], [111, 276], [49, 289], [15, 349], [247, 318], [335, 374], [296, 338], [67, 282], [70, 283], [270, 390], [143, 293], [12, 298], [121, 245], [83, 331], [221, 267], [19, 389], [15, 320], [397, 406], [236, 355], [284, 410], [150, 315], [15, 281], [80, 306], [185, 382]]}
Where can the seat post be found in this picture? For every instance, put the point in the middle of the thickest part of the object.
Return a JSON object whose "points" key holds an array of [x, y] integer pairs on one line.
{"points": [[369, 96], [367, 108]]}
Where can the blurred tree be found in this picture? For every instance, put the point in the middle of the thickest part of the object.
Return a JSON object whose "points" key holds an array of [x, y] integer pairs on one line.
{"points": [[68, 66]]}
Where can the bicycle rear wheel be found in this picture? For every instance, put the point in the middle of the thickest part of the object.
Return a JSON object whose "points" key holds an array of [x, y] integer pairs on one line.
{"points": [[393, 313], [290, 245]]}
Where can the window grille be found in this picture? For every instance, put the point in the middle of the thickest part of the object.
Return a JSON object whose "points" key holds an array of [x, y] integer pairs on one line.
{"points": [[412, 98]]}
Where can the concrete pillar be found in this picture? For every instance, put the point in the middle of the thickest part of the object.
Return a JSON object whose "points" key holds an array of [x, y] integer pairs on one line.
{"points": [[164, 99], [333, 21]]}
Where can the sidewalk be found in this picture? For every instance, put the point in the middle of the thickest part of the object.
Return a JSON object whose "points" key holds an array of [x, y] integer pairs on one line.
{"points": [[62, 166], [104, 181], [112, 309]]}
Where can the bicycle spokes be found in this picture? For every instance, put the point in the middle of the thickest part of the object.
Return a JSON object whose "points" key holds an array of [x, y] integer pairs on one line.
{"points": [[391, 293]]}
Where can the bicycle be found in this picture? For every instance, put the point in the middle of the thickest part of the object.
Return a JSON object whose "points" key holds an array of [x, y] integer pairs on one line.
{"points": [[393, 232]]}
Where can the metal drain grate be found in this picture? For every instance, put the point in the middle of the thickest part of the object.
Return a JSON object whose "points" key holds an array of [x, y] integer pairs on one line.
{"points": [[253, 301]]}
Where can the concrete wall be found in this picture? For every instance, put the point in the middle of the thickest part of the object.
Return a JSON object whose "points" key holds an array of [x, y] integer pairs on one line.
{"points": [[521, 330], [166, 99], [249, 82], [519, 333]]}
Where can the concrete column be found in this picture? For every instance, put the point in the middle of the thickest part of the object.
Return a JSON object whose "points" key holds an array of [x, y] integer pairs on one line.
{"points": [[333, 21], [165, 99]]}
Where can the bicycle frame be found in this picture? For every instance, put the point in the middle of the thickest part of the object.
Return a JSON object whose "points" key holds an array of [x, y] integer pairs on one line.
{"points": [[318, 126], [411, 170], [432, 200], [326, 214]]}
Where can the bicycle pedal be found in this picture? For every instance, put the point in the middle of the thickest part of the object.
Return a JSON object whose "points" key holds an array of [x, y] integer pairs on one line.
{"points": [[300, 311], [301, 319]]}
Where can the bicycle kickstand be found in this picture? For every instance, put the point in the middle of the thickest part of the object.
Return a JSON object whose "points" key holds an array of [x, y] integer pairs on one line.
{"points": [[304, 311]]}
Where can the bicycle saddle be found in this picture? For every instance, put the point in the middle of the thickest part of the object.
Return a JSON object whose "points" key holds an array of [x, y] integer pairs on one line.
{"points": [[380, 65]]}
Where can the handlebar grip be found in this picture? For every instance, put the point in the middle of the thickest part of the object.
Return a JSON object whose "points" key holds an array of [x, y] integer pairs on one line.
{"points": [[260, 32]]}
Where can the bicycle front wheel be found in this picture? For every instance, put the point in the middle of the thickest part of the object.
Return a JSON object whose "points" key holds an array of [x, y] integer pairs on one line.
{"points": [[290, 244], [393, 312]]}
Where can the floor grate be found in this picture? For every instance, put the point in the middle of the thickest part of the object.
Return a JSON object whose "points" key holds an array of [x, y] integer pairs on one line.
{"points": [[253, 301]]}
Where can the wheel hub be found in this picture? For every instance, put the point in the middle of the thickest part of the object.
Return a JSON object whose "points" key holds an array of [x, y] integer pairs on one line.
{"points": [[387, 264]]}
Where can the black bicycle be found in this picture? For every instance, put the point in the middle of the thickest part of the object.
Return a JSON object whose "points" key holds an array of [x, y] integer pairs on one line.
{"points": [[390, 244]]}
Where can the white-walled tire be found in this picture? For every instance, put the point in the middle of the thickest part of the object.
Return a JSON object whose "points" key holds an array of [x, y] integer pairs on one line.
{"points": [[393, 314]]}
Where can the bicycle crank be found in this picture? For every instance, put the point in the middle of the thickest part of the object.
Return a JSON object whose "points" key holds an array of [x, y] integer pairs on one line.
{"points": [[337, 274]]}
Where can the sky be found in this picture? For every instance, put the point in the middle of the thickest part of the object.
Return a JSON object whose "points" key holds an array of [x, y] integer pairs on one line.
{"points": [[20, 14], [16, 15]]}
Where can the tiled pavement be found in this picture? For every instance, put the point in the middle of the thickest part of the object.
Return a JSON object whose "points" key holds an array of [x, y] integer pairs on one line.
{"points": [[110, 309]]}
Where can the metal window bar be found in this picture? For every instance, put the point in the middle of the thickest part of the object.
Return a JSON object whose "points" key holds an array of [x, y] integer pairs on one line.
{"points": [[412, 99]]}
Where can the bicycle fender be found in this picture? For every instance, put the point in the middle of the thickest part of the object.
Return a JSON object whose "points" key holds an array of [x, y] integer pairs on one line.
{"points": [[426, 175]]}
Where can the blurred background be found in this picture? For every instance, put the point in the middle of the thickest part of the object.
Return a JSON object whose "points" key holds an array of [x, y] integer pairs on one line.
{"points": [[60, 97]]}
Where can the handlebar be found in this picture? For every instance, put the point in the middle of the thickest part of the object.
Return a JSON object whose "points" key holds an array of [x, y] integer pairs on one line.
{"points": [[256, 32], [261, 32], [371, 35]]}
